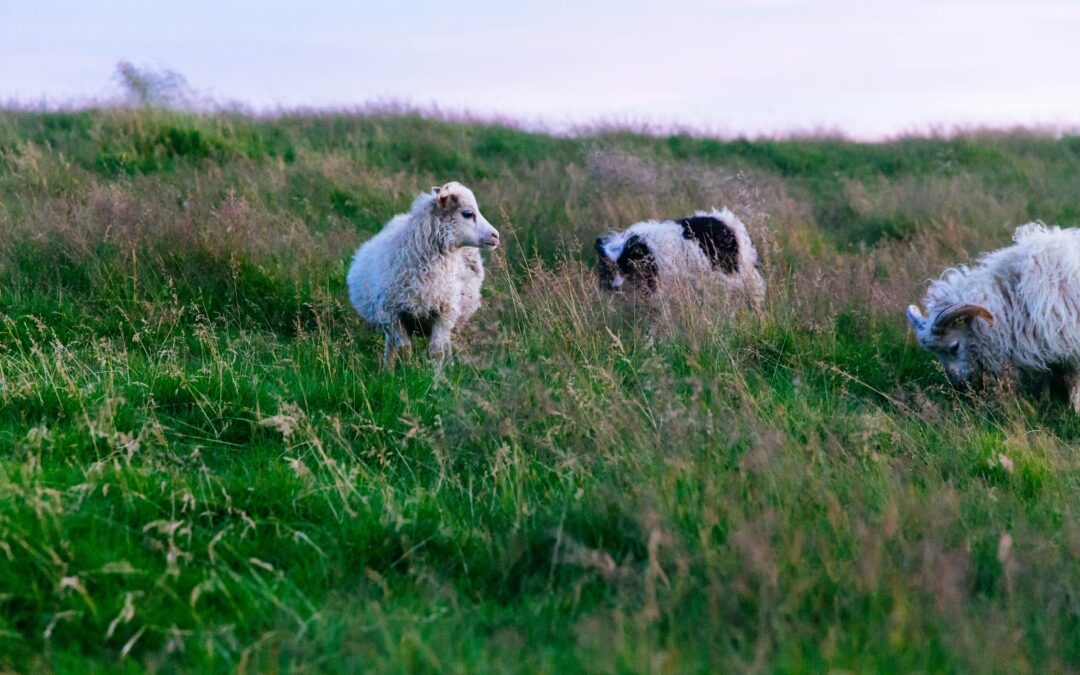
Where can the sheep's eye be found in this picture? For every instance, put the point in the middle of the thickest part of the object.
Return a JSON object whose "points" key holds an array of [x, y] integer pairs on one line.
{"points": [[467, 214]]}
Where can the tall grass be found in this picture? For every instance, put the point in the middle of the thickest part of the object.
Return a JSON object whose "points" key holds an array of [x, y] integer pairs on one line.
{"points": [[202, 465]]}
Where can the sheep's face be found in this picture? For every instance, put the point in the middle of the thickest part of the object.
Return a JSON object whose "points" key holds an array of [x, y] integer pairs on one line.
{"points": [[606, 267], [457, 205], [953, 350], [950, 337], [625, 264]]}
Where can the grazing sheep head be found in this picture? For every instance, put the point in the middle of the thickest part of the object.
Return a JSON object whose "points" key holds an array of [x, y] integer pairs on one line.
{"points": [[949, 336], [456, 205], [625, 262]]}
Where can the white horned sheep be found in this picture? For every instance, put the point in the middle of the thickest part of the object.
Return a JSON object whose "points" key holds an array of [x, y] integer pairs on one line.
{"points": [[706, 247], [1016, 312], [423, 271]]}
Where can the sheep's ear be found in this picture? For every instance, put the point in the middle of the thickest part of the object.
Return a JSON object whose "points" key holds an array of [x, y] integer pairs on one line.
{"points": [[447, 200], [435, 190]]}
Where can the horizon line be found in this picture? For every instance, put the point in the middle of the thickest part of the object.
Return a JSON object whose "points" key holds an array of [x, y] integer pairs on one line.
{"points": [[597, 126]]}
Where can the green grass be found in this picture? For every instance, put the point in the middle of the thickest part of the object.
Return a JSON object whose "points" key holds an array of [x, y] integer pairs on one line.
{"points": [[202, 466]]}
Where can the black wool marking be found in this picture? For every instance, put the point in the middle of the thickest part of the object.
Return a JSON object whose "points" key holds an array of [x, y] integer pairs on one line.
{"points": [[715, 238], [637, 263], [605, 266], [599, 246]]}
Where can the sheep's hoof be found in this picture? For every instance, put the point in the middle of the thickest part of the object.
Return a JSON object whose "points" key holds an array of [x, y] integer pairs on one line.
{"points": [[439, 353]]}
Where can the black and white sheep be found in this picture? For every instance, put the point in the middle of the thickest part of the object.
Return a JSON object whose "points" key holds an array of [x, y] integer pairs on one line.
{"points": [[651, 255], [1017, 311], [423, 271]]}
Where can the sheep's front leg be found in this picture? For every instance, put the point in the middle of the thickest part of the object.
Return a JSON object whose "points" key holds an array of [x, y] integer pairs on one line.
{"points": [[389, 354], [439, 345], [404, 343], [396, 339]]}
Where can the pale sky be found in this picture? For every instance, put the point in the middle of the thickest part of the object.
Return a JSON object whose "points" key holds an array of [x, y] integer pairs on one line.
{"points": [[728, 66]]}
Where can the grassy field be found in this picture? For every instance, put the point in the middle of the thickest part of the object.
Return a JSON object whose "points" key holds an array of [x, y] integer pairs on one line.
{"points": [[202, 465]]}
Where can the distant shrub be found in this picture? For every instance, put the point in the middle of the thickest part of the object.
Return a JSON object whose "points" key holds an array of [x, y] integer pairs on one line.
{"points": [[149, 87]]}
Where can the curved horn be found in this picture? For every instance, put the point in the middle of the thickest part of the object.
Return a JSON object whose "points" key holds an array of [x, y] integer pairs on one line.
{"points": [[954, 313]]}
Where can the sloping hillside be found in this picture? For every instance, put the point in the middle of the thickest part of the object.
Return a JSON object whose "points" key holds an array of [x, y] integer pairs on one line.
{"points": [[203, 466]]}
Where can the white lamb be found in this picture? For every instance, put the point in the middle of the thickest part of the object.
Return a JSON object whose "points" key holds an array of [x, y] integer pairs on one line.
{"points": [[423, 271], [1017, 311]]}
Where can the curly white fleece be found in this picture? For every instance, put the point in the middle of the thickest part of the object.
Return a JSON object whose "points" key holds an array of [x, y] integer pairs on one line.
{"points": [[1032, 288], [416, 265]]}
